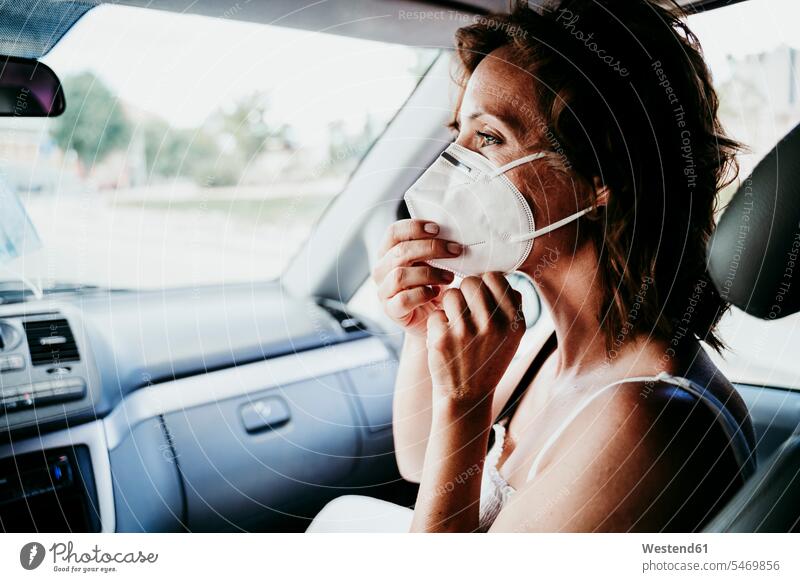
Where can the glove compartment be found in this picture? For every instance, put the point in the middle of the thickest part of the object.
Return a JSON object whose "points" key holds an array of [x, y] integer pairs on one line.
{"points": [[249, 458]]}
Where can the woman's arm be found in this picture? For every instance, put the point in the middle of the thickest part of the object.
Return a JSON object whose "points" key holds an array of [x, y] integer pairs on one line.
{"points": [[411, 422], [449, 495], [409, 291], [412, 398], [471, 343]]}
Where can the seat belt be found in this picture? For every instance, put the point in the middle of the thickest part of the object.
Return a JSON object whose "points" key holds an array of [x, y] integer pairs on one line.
{"points": [[510, 407]]}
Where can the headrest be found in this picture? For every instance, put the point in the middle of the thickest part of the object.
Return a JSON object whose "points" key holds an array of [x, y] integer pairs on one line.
{"points": [[754, 254]]}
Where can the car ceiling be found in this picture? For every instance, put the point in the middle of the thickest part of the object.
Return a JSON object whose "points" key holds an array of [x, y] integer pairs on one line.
{"points": [[31, 28]]}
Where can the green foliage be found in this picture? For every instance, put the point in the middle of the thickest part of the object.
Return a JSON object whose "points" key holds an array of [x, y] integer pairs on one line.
{"points": [[344, 149], [247, 127], [189, 153], [215, 154], [94, 124]]}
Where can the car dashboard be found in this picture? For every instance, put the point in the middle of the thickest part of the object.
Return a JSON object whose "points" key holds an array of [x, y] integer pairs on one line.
{"points": [[219, 408], [232, 408]]}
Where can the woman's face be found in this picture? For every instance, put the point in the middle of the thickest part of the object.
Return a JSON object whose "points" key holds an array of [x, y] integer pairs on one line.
{"points": [[498, 119]]}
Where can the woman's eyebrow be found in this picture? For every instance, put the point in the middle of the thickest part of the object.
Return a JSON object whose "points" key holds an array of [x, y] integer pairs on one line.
{"points": [[509, 121]]}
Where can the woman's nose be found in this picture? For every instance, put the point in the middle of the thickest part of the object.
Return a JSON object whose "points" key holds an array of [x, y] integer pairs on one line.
{"points": [[466, 141]]}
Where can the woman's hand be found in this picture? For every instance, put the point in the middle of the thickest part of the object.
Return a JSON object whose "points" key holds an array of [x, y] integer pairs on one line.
{"points": [[407, 287], [472, 340]]}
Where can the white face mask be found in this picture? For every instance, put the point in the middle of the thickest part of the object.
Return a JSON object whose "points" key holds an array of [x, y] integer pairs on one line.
{"points": [[476, 205]]}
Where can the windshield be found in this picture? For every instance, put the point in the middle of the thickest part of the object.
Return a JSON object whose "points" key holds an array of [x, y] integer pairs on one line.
{"points": [[194, 150]]}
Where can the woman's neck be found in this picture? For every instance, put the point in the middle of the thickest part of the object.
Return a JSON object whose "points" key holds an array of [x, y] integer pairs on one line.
{"points": [[572, 292]]}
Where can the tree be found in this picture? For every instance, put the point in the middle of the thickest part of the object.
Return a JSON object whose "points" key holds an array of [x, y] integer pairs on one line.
{"points": [[246, 126], [93, 124], [346, 149], [188, 153]]}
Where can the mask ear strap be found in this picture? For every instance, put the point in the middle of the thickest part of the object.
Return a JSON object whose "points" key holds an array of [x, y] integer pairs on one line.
{"points": [[549, 227], [515, 163]]}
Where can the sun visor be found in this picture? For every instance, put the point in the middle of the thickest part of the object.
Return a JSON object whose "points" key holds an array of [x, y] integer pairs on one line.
{"points": [[30, 29]]}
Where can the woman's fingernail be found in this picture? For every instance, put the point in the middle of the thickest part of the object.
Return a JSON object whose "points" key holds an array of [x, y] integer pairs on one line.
{"points": [[448, 276], [454, 248], [431, 228]]}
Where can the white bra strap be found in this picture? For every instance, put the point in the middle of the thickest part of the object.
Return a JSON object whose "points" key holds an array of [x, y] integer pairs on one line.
{"points": [[732, 429], [567, 421], [518, 162]]}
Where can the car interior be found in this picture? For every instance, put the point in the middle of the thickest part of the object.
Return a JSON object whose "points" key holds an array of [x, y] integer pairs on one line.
{"points": [[247, 403]]}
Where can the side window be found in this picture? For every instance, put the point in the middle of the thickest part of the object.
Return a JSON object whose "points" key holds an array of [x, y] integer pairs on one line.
{"points": [[753, 51]]}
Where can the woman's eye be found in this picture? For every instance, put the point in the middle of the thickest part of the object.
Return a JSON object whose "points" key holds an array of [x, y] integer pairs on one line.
{"points": [[487, 139]]}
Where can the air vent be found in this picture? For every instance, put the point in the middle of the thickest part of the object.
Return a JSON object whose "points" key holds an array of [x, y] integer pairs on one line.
{"points": [[51, 342]]}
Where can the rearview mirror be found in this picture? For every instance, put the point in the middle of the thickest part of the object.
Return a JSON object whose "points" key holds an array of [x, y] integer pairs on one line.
{"points": [[29, 88]]}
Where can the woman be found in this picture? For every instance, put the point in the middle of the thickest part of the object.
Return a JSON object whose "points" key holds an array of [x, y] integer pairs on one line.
{"points": [[618, 421]]}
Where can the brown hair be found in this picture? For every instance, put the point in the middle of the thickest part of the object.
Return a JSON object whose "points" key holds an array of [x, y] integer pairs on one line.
{"points": [[624, 94]]}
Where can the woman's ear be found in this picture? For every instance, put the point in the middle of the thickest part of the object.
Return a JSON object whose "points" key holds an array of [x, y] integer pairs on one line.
{"points": [[601, 191]]}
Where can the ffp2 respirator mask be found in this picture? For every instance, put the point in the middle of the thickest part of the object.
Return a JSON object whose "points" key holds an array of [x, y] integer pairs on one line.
{"points": [[476, 205]]}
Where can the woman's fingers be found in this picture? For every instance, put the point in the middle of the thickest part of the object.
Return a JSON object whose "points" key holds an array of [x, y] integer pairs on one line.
{"points": [[455, 308], [402, 305], [508, 299], [437, 326], [486, 303], [402, 278], [404, 281], [410, 229], [480, 300], [415, 251]]}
